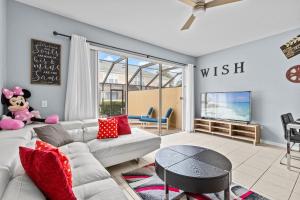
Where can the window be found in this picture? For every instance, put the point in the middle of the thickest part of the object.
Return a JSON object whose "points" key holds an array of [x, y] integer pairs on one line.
{"points": [[142, 75]]}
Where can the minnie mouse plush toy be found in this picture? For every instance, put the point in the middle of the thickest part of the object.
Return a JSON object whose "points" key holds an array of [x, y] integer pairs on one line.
{"points": [[19, 111]]}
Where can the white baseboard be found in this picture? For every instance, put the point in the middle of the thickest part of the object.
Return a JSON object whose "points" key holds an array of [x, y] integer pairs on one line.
{"points": [[273, 143], [282, 145]]}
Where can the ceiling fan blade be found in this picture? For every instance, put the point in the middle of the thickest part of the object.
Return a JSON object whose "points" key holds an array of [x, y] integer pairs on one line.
{"points": [[189, 2], [189, 22], [215, 3]]}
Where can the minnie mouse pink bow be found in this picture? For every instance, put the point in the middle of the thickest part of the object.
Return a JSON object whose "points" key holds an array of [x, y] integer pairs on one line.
{"points": [[10, 93]]}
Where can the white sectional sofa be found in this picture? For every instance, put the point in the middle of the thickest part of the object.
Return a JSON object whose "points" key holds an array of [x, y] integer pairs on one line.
{"points": [[88, 158]]}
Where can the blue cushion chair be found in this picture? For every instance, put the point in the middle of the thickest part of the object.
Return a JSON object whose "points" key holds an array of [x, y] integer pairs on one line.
{"points": [[138, 117], [148, 121]]}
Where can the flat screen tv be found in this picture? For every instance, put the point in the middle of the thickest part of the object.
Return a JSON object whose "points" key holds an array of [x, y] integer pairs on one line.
{"points": [[226, 105]]}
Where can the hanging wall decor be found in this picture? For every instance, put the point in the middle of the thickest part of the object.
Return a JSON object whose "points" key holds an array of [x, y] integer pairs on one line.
{"points": [[293, 74], [45, 62], [291, 48], [223, 70]]}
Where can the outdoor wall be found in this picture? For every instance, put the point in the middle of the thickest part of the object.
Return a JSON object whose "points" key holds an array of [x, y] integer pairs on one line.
{"points": [[3, 8], [264, 74], [139, 103], [25, 23]]}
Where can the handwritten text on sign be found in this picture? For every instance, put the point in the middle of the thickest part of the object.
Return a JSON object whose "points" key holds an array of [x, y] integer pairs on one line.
{"points": [[45, 62]]}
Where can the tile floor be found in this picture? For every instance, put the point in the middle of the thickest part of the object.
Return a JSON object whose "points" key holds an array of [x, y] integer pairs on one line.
{"points": [[156, 131], [164, 132], [255, 167]]}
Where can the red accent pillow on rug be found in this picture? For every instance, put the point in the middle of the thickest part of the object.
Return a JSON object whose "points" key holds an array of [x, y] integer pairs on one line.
{"points": [[123, 125], [44, 146], [108, 128], [46, 171]]}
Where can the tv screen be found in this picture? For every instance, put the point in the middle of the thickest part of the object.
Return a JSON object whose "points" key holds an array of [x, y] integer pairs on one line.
{"points": [[226, 105]]}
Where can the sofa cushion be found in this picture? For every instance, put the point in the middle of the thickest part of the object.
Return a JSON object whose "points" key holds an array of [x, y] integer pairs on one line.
{"points": [[90, 133], [106, 189], [76, 134], [123, 125], [86, 169], [74, 128], [46, 171], [4, 179], [107, 150], [22, 188], [71, 125], [108, 128], [75, 148], [89, 123], [9, 158], [18, 168], [64, 161], [53, 134], [25, 133]]}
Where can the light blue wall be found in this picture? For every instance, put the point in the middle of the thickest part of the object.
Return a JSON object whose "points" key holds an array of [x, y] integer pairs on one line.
{"points": [[26, 22], [265, 65], [3, 8], [265, 69]]}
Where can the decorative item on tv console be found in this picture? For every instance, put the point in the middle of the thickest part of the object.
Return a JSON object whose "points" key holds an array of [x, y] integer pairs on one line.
{"points": [[291, 48], [19, 112], [293, 74]]}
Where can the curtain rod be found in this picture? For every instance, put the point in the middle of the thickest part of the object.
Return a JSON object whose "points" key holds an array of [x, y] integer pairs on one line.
{"points": [[123, 50]]}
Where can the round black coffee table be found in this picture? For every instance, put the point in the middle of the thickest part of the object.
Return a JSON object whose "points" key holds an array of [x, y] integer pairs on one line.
{"points": [[193, 169]]}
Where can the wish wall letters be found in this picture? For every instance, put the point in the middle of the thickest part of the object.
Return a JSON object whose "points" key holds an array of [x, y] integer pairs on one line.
{"points": [[224, 70]]}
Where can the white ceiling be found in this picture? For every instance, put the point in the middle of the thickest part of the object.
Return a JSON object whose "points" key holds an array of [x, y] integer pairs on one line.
{"points": [[159, 21]]}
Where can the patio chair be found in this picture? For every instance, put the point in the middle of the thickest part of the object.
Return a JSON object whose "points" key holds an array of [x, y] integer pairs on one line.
{"points": [[165, 121], [138, 117]]}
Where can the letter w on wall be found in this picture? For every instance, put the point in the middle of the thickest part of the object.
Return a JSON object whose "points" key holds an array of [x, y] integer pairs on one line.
{"points": [[204, 72]]}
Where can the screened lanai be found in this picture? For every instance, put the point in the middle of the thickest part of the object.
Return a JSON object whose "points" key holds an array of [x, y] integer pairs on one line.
{"points": [[130, 85]]}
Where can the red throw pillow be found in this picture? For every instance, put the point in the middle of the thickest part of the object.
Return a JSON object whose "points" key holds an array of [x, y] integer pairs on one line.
{"points": [[123, 125], [46, 171], [44, 146], [108, 128]]}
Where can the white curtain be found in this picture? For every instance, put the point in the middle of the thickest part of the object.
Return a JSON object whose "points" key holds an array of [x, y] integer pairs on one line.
{"points": [[80, 95], [189, 103], [94, 81]]}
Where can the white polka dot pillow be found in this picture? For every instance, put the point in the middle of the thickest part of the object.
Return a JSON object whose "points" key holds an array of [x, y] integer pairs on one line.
{"points": [[108, 128]]}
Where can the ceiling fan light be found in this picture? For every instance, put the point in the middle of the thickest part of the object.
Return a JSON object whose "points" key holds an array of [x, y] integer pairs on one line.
{"points": [[198, 12]]}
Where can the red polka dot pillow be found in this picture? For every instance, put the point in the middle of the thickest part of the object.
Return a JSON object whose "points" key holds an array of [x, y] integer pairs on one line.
{"points": [[108, 128], [64, 161]]}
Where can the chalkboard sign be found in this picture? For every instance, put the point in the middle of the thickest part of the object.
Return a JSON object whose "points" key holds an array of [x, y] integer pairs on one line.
{"points": [[45, 62]]}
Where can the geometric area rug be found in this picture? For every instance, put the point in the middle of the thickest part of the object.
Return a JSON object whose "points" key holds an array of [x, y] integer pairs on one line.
{"points": [[149, 186]]}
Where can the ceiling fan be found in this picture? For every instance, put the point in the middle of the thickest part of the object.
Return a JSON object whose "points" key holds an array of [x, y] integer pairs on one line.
{"points": [[201, 5]]}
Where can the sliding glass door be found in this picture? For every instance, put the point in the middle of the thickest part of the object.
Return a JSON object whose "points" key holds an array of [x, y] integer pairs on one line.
{"points": [[111, 88], [140, 88], [171, 99]]}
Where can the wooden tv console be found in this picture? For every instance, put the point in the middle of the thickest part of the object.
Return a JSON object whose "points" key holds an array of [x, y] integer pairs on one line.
{"points": [[241, 131]]}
